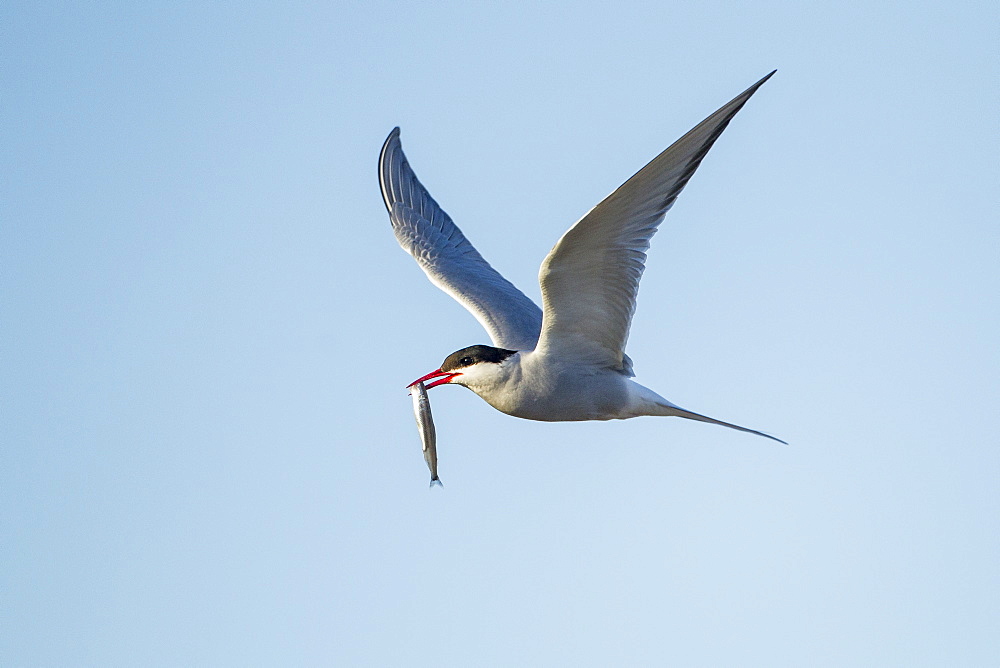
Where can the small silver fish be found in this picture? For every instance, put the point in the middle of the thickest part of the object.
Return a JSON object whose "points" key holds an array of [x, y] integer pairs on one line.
{"points": [[425, 423]]}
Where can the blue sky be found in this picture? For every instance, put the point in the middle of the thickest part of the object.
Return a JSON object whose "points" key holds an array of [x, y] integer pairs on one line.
{"points": [[207, 456]]}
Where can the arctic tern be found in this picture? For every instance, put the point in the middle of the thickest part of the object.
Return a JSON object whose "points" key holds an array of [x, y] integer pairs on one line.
{"points": [[565, 361]]}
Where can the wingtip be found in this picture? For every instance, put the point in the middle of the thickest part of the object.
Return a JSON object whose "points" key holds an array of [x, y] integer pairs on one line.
{"points": [[393, 136], [390, 145], [760, 83], [742, 98]]}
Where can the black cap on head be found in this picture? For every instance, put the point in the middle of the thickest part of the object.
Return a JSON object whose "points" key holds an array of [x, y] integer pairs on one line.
{"points": [[466, 357]]}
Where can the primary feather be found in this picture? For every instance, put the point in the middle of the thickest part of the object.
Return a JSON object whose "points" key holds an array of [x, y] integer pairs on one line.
{"points": [[427, 233], [591, 277]]}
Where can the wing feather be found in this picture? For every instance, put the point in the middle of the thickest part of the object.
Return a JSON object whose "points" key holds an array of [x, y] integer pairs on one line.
{"points": [[426, 232], [591, 277]]}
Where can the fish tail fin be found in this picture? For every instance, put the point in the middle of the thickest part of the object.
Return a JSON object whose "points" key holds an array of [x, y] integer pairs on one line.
{"points": [[436, 481]]}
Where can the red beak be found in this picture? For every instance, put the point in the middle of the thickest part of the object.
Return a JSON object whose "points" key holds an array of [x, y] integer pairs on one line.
{"points": [[443, 375]]}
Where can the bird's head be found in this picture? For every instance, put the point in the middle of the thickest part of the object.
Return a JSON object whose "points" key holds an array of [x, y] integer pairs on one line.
{"points": [[471, 367]]}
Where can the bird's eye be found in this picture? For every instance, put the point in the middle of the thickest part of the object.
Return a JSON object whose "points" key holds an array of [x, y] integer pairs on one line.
{"points": [[465, 361]]}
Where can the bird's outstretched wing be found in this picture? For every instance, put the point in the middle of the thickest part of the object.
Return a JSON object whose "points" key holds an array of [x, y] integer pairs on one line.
{"points": [[426, 232], [590, 278]]}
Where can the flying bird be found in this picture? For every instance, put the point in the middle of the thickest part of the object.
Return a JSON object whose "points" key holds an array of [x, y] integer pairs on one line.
{"points": [[565, 361]]}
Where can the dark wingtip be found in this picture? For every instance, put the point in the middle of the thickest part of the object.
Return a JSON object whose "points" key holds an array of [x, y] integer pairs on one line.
{"points": [[753, 88], [392, 135]]}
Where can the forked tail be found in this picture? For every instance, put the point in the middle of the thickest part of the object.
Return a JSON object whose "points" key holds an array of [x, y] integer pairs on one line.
{"points": [[671, 409]]}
